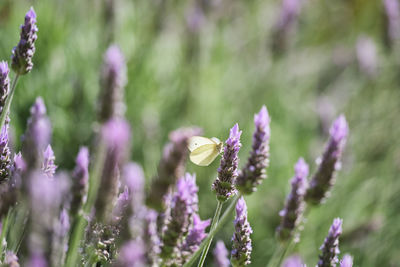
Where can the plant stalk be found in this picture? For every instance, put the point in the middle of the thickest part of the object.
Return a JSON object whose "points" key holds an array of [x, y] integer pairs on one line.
{"points": [[82, 219], [213, 225], [225, 216]]}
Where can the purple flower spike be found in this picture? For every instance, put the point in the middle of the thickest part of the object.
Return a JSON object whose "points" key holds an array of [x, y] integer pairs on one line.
{"points": [[347, 261], [11, 259], [221, 255], [121, 205], [171, 166], [224, 184], [151, 238], [255, 170], [5, 155], [286, 24], [392, 9], [113, 81], [241, 242], [80, 177], [324, 178], [116, 137], [37, 135], [367, 56], [4, 84], [48, 167], [22, 54], [196, 235], [330, 248], [37, 260], [132, 254], [133, 178], [294, 207], [183, 206], [293, 261]]}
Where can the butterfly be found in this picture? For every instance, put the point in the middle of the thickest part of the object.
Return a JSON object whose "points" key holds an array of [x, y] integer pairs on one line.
{"points": [[204, 150]]}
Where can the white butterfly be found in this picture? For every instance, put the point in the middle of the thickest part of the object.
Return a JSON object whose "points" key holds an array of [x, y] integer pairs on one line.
{"points": [[204, 150]]}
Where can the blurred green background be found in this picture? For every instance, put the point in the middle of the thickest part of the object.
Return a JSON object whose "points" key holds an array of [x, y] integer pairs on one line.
{"points": [[213, 63]]}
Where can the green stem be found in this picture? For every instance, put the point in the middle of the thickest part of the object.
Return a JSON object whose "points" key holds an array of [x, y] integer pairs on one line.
{"points": [[276, 257], [4, 229], [225, 216], [7, 105], [82, 219], [213, 225]]}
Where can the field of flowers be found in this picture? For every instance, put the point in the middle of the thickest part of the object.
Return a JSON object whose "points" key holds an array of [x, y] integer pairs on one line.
{"points": [[102, 103]]}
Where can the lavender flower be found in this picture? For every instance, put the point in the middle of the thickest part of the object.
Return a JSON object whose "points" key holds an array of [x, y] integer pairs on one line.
{"points": [[220, 255], [116, 137], [241, 242], [37, 259], [293, 261], [195, 236], [121, 205], [37, 135], [133, 178], [60, 238], [113, 81], [324, 178], [151, 238], [11, 260], [131, 254], [171, 166], [22, 54], [80, 177], [18, 169], [48, 166], [4, 84], [130, 207], [224, 184], [183, 206], [347, 261], [292, 213], [366, 56], [5, 155], [45, 198], [255, 170], [330, 248], [392, 9], [285, 24]]}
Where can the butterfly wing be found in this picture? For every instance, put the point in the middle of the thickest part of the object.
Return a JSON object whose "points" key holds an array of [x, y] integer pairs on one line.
{"points": [[204, 154], [198, 141]]}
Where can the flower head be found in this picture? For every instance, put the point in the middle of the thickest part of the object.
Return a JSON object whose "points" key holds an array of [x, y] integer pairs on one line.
{"points": [[196, 235], [171, 166], [183, 206], [224, 184], [37, 135], [132, 254], [5, 155], [48, 166], [347, 261], [4, 84], [113, 82], [80, 177], [116, 138], [292, 213], [330, 247], [324, 178], [22, 54], [241, 242], [220, 255], [255, 170], [293, 261]]}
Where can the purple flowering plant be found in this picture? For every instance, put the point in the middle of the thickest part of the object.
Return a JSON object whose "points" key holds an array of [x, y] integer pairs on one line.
{"points": [[101, 214]]}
